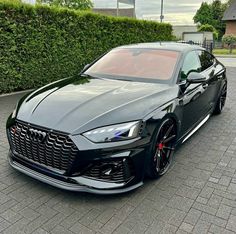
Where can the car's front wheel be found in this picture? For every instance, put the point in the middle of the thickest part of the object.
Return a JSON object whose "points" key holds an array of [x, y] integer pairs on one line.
{"points": [[160, 155]]}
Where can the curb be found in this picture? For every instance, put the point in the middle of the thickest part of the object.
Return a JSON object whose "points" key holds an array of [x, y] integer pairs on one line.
{"points": [[15, 93]]}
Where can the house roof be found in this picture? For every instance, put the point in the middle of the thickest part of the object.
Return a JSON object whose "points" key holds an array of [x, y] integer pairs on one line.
{"points": [[230, 13]]}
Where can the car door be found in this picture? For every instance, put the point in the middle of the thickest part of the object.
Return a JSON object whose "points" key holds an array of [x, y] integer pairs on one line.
{"points": [[193, 97], [212, 72]]}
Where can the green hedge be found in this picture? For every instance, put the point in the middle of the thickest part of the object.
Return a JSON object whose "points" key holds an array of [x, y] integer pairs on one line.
{"points": [[41, 44]]}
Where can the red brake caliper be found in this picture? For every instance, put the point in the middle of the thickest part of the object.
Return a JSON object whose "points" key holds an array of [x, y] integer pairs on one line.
{"points": [[160, 146]]}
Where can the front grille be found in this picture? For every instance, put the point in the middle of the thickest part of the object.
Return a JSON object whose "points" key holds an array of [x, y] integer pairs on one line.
{"points": [[120, 170], [54, 149]]}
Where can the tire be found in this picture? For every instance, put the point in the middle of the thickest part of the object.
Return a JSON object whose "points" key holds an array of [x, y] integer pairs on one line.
{"points": [[221, 101], [160, 155]]}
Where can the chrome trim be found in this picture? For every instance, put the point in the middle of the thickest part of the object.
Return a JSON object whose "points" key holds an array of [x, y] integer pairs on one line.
{"points": [[196, 128], [84, 184]]}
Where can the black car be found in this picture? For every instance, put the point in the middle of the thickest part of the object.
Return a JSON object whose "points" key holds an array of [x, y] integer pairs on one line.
{"points": [[120, 119]]}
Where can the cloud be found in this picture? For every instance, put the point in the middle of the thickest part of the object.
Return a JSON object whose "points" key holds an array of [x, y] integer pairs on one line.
{"points": [[175, 13]]}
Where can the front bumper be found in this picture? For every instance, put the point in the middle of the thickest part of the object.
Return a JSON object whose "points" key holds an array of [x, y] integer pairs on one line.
{"points": [[76, 184], [82, 185], [76, 164], [71, 183]]}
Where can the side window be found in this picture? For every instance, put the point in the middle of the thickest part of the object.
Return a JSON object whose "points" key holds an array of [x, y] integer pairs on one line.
{"points": [[191, 64], [206, 59]]}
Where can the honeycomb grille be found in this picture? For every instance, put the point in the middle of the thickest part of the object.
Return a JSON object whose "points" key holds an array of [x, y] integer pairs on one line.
{"points": [[48, 148], [114, 171]]}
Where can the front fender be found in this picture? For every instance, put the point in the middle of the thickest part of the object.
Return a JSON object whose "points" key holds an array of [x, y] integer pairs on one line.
{"points": [[167, 110]]}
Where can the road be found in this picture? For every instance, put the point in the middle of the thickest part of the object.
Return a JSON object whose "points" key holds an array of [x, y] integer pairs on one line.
{"points": [[228, 62]]}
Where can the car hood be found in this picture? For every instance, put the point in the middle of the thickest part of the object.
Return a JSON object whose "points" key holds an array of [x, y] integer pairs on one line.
{"points": [[78, 104]]}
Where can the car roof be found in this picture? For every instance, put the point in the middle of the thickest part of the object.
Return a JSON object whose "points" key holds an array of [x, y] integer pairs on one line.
{"points": [[175, 46]]}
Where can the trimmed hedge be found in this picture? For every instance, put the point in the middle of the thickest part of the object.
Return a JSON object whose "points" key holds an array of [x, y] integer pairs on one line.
{"points": [[40, 44]]}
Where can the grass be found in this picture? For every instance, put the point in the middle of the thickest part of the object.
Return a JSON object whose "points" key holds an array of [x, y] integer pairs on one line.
{"points": [[223, 52]]}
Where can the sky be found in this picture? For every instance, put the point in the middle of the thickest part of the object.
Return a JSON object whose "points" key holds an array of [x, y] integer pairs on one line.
{"points": [[176, 12]]}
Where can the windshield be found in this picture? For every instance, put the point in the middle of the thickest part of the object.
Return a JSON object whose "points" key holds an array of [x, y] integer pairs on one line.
{"points": [[136, 63]]}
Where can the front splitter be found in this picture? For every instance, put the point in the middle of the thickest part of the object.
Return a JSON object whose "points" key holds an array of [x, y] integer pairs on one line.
{"points": [[68, 186]]}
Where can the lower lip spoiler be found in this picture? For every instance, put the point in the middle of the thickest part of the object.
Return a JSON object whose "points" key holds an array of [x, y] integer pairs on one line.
{"points": [[69, 186]]}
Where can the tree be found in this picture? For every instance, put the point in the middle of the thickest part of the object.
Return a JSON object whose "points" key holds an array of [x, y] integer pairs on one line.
{"points": [[230, 40], [208, 28], [203, 14], [212, 14], [218, 10], [72, 4]]}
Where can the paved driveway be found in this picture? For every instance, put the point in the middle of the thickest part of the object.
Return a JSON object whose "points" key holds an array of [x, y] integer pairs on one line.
{"points": [[198, 195]]}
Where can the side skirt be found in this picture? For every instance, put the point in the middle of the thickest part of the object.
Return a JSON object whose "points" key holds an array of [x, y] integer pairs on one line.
{"points": [[196, 128]]}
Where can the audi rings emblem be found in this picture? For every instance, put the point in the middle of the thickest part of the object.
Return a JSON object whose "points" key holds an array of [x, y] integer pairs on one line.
{"points": [[36, 135]]}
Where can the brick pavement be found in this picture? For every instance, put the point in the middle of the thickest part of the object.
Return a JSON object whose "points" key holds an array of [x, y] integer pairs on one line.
{"points": [[197, 196]]}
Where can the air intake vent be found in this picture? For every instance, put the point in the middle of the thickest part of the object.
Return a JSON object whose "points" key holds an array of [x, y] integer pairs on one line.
{"points": [[120, 170]]}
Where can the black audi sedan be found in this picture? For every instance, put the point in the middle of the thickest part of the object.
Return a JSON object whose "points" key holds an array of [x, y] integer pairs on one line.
{"points": [[119, 120]]}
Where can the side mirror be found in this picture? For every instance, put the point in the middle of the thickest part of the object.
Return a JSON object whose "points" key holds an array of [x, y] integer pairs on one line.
{"points": [[195, 77]]}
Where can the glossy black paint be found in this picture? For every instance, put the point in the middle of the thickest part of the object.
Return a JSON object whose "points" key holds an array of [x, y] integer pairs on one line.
{"points": [[78, 104]]}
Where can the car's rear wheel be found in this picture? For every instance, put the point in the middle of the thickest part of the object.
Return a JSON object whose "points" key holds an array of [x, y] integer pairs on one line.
{"points": [[221, 101], [161, 152]]}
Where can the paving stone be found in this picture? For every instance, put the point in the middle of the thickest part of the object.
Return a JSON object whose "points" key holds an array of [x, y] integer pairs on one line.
{"points": [[232, 188], [17, 227], [219, 230], [111, 225], [121, 230], [186, 227], [206, 192], [226, 195], [3, 225], [224, 211], [40, 231], [202, 200], [229, 202], [213, 180], [201, 227], [225, 180], [188, 192], [233, 211], [61, 230], [231, 225], [79, 228], [192, 216], [89, 217], [161, 227], [29, 213], [204, 208], [11, 216], [213, 219], [214, 201], [181, 203], [53, 222]]}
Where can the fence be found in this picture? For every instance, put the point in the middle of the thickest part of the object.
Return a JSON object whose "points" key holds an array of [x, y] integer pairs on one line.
{"points": [[208, 45]]}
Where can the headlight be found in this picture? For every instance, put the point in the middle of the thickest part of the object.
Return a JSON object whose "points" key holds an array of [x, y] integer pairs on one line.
{"points": [[118, 132]]}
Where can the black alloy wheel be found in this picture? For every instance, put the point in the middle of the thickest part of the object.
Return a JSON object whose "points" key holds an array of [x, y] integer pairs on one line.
{"points": [[162, 150], [221, 101]]}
